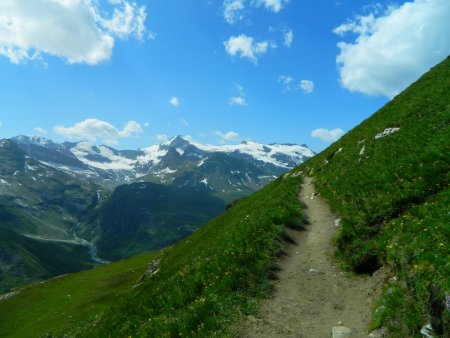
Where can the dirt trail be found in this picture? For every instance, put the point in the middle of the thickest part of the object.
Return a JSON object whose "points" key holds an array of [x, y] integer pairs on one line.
{"points": [[312, 295]]}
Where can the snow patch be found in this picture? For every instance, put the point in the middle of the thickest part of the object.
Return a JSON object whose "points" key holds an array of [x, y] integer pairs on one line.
{"points": [[30, 167], [203, 160], [84, 149], [204, 181], [261, 152], [152, 154]]}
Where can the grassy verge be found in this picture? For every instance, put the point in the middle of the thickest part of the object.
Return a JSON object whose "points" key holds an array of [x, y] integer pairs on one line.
{"points": [[213, 276], [387, 190], [417, 245], [63, 304]]}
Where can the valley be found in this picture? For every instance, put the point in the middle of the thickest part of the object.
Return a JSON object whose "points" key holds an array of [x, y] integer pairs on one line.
{"points": [[112, 204]]}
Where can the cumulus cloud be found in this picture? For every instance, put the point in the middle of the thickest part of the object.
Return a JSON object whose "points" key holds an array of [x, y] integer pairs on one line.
{"points": [[306, 86], [94, 129], [273, 5], [392, 49], [326, 135], [246, 48], [78, 31], [288, 38], [230, 136], [132, 127], [233, 10], [175, 101], [40, 131]]}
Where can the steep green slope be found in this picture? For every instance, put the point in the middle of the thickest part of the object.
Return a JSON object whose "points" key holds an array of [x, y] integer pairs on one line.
{"points": [[67, 302], [23, 259], [141, 217], [194, 287], [391, 191]]}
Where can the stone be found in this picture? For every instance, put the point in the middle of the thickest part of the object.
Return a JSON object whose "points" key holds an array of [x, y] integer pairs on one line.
{"points": [[379, 333], [341, 332]]}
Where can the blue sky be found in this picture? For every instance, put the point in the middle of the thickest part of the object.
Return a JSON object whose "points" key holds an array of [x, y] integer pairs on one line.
{"points": [[132, 73]]}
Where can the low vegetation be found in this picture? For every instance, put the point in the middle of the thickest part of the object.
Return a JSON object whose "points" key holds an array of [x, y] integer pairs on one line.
{"points": [[391, 191], [195, 287], [63, 304]]}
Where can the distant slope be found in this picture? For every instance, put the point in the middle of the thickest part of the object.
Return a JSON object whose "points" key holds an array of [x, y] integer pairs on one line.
{"points": [[177, 162], [141, 217], [389, 180], [23, 260], [39, 201]]}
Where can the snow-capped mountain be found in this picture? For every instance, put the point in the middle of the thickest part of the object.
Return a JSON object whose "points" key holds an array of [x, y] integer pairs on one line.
{"points": [[226, 169]]}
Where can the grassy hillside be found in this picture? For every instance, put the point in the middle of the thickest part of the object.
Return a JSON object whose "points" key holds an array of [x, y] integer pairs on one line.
{"points": [[199, 285], [392, 192], [65, 303]]}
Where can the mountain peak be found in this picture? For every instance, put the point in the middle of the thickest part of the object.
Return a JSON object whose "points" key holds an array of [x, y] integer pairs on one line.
{"points": [[178, 142]]}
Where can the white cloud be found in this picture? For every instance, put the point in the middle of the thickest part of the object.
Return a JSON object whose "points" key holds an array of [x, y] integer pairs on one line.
{"points": [[246, 48], [233, 10], [39, 131], [390, 51], [127, 20], [238, 101], [93, 129], [1, 123], [161, 137], [273, 5], [78, 31], [288, 38], [175, 101], [326, 135], [184, 122], [287, 82], [132, 127], [306, 86], [229, 136]]}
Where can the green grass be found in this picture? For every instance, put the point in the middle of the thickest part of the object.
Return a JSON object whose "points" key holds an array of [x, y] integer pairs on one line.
{"points": [[396, 176], [61, 305], [417, 245], [204, 282], [213, 276], [24, 260]]}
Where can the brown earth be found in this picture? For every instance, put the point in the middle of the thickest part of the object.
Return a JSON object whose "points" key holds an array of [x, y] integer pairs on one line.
{"points": [[311, 294]]}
